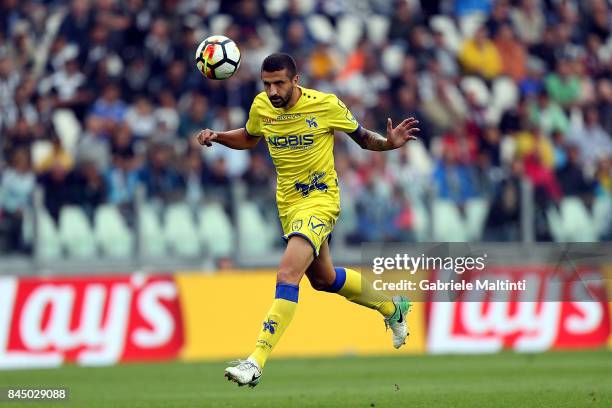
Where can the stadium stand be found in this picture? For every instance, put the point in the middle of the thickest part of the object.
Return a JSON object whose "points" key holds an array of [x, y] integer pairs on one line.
{"points": [[99, 98]]}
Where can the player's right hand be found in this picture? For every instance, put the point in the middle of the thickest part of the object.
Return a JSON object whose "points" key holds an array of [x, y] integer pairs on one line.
{"points": [[206, 137]]}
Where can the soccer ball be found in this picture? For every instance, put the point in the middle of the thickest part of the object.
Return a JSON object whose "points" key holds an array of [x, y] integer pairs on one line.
{"points": [[217, 57]]}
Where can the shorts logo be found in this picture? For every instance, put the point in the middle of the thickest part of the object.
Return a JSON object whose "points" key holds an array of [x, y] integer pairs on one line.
{"points": [[270, 326], [316, 225], [314, 184], [297, 225]]}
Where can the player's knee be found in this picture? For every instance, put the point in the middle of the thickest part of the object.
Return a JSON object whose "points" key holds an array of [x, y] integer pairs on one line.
{"points": [[320, 283], [287, 274]]}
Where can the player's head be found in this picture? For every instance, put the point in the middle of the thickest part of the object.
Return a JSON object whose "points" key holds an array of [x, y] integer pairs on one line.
{"points": [[280, 78]]}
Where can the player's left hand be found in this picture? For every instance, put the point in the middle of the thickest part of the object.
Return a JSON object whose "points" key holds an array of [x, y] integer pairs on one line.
{"points": [[404, 132]]}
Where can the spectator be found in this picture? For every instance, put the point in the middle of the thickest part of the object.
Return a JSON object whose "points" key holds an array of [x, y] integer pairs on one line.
{"points": [[512, 53], [109, 107], [16, 188], [563, 86], [480, 56], [162, 181], [141, 119], [198, 117], [547, 114], [54, 182], [529, 21], [571, 176], [58, 156], [591, 138], [503, 220], [453, 179], [88, 187]]}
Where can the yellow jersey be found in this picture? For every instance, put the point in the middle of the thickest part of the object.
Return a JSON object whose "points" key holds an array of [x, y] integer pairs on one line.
{"points": [[301, 143]]}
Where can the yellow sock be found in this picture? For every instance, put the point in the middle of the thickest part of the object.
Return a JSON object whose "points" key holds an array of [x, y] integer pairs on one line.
{"points": [[357, 289], [278, 318]]}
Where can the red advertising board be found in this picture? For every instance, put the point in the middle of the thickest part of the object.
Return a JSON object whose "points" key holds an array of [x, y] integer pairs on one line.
{"points": [[562, 312], [88, 320]]}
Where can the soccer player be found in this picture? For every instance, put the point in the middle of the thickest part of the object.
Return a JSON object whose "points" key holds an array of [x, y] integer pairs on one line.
{"points": [[298, 125]]}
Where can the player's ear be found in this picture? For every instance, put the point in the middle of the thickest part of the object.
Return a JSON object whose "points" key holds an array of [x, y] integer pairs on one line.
{"points": [[296, 79]]}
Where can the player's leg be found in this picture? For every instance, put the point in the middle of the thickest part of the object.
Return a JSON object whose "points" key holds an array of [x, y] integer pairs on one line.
{"points": [[346, 282], [355, 288], [298, 255]]}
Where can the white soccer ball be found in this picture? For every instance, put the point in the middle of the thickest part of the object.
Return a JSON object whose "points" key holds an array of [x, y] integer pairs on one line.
{"points": [[217, 57]]}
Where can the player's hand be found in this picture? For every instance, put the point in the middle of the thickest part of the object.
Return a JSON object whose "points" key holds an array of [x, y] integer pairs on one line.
{"points": [[206, 137], [404, 132]]}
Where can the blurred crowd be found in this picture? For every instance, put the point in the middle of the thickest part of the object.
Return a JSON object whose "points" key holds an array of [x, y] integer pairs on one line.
{"points": [[99, 97]]}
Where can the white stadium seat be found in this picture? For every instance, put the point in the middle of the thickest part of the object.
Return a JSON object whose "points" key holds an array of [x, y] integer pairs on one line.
{"points": [[602, 215], [452, 37], [448, 225], [476, 211], [476, 86], [47, 238], [180, 231], [215, 230], [350, 30], [577, 221], [112, 233], [76, 233], [378, 29], [255, 235], [151, 236], [320, 28]]}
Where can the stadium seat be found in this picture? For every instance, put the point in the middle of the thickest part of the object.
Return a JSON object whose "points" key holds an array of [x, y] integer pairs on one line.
{"points": [[392, 60], [555, 224], [255, 235], [180, 231], [150, 233], [350, 30], [275, 8], [476, 86], [215, 230], [469, 23], [219, 23], [577, 221], [112, 233], [48, 246], [448, 225], [76, 234], [421, 221], [602, 216], [476, 211], [505, 93], [320, 28], [448, 28], [378, 29], [67, 127]]}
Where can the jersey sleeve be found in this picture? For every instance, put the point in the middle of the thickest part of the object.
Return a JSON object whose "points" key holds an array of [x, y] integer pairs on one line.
{"points": [[253, 125], [340, 117]]}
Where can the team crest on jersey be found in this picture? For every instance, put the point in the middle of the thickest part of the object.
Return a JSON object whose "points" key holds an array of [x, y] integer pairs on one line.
{"points": [[312, 122], [314, 183], [316, 225], [297, 225]]}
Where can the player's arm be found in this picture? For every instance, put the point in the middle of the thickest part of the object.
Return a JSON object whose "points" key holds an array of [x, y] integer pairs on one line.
{"points": [[396, 137], [237, 139]]}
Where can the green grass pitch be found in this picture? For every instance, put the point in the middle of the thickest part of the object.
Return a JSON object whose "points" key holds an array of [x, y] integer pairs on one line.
{"points": [[555, 379]]}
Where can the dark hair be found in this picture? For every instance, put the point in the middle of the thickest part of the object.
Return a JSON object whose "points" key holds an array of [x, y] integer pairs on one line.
{"points": [[279, 61]]}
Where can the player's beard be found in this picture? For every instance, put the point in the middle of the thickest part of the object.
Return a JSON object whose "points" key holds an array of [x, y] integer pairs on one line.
{"points": [[282, 102]]}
